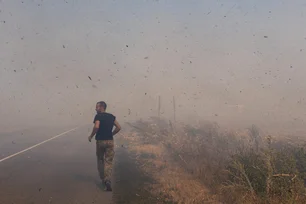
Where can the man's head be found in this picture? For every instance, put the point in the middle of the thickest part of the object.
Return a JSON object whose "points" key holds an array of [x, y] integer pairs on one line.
{"points": [[101, 107]]}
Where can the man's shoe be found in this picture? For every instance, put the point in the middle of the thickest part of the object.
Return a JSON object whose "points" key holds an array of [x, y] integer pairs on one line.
{"points": [[108, 186]]}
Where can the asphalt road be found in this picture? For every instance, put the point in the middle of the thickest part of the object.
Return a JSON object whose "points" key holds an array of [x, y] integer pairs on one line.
{"points": [[59, 171]]}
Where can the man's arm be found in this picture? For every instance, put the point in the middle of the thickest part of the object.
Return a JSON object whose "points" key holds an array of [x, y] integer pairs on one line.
{"points": [[117, 129], [94, 130]]}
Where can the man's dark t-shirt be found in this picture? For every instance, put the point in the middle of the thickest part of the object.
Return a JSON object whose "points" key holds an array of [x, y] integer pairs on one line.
{"points": [[105, 131]]}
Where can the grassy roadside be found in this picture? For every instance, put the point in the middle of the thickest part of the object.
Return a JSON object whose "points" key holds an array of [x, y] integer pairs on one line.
{"points": [[159, 179], [204, 164], [131, 182]]}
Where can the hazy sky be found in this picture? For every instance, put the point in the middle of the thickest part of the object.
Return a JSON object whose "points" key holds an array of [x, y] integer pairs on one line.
{"points": [[234, 62]]}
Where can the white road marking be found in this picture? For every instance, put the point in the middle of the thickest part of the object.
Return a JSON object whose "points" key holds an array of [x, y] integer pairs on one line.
{"points": [[27, 149]]}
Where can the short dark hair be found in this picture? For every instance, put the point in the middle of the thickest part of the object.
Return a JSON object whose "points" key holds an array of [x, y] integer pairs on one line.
{"points": [[103, 104]]}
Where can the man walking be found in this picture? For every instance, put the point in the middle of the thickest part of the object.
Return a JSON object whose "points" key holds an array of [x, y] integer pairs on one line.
{"points": [[103, 129]]}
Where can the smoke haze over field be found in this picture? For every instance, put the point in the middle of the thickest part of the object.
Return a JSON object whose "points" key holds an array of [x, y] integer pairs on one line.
{"points": [[235, 62]]}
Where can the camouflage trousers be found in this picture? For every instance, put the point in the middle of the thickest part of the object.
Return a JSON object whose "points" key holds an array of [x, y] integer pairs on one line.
{"points": [[105, 155]]}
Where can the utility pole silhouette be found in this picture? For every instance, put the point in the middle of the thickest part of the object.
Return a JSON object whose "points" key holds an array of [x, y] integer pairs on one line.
{"points": [[158, 108], [174, 110]]}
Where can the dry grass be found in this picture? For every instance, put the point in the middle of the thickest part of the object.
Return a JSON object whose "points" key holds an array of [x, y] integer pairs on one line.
{"points": [[172, 182], [206, 165], [148, 149]]}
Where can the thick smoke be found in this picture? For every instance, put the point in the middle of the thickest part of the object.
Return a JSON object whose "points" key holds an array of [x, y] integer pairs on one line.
{"points": [[236, 63]]}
